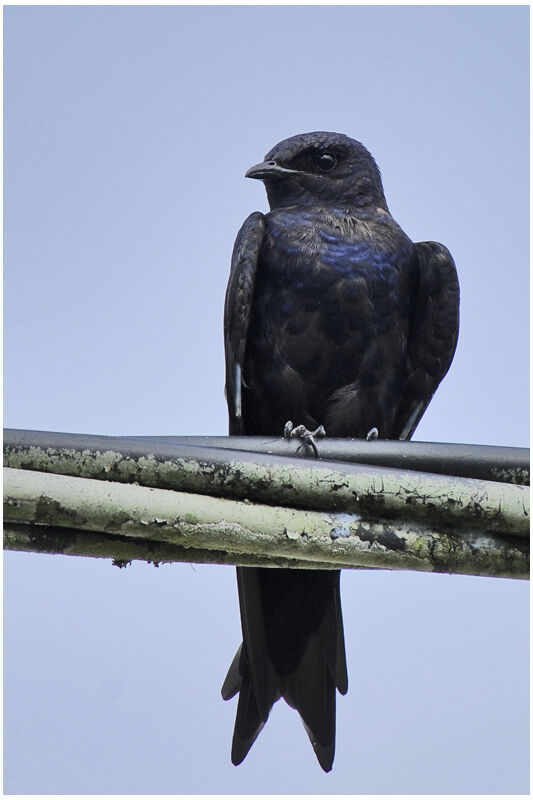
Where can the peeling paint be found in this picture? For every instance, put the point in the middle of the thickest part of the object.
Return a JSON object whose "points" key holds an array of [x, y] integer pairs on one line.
{"points": [[394, 493], [247, 530]]}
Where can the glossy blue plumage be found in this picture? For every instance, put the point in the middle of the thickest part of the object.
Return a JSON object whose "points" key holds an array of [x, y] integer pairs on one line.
{"points": [[331, 308], [333, 316]]}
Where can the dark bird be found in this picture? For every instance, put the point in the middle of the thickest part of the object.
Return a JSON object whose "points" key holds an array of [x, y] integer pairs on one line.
{"points": [[333, 316]]}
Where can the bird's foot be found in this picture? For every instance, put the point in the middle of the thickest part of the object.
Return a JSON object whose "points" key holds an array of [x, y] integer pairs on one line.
{"points": [[305, 436], [372, 434]]}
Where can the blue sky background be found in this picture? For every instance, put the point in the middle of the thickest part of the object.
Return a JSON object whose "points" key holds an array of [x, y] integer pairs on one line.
{"points": [[127, 134]]}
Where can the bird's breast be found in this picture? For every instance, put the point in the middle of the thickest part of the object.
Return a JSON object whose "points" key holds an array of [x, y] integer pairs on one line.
{"points": [[310, 256], [332, 298]]}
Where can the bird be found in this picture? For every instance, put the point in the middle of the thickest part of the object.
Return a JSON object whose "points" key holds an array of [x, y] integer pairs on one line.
{"points": [[333, 317]]}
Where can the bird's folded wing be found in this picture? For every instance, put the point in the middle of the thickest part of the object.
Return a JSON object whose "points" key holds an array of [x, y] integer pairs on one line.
{"points": [[433, 333], [237, 308]]}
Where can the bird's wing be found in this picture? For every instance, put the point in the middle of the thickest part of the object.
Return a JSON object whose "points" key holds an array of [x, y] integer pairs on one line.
{"points": [[433, 333], [237, 308]]}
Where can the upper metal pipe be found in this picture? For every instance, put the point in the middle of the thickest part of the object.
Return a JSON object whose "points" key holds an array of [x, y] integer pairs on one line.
{"points": [[485, 462]]}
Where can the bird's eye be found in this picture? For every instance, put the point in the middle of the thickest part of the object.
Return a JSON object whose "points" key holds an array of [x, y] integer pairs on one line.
{"points": [[325, 162]]}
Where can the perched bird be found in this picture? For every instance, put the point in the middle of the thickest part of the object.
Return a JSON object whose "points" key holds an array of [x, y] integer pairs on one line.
{"points": [[332, 316]]}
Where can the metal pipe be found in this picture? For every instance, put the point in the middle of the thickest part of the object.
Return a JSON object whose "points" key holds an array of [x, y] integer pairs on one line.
{"points": [[486, 462], [332, 486], [314, 539]]}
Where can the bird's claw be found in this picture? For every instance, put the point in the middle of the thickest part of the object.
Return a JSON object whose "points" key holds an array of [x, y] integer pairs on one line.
{"points": [[372, 434], [306, 436]]}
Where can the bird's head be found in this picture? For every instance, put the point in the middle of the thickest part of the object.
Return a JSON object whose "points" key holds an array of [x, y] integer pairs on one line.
{"points": [[320, 168]]}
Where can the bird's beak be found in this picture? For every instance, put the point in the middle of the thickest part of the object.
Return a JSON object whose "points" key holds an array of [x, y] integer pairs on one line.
{"points": [[268, 169]]}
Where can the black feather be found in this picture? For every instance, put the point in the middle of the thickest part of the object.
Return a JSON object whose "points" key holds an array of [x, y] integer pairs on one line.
{"points": [[333, 316]]}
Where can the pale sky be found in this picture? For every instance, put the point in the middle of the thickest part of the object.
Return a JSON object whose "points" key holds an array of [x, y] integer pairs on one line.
{"points": [[127, 134]]}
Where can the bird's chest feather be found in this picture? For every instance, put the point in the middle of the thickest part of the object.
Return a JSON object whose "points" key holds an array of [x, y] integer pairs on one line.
{"points": [[328, 280]]}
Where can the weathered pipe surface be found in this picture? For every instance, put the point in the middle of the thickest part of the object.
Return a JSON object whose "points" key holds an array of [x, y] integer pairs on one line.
{"points": [[54, 540], [387, 493], [337, 540], [487, 462]]}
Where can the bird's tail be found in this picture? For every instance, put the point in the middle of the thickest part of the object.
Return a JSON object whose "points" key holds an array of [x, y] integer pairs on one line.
{"points": [[293, 647], [250, 720]]}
